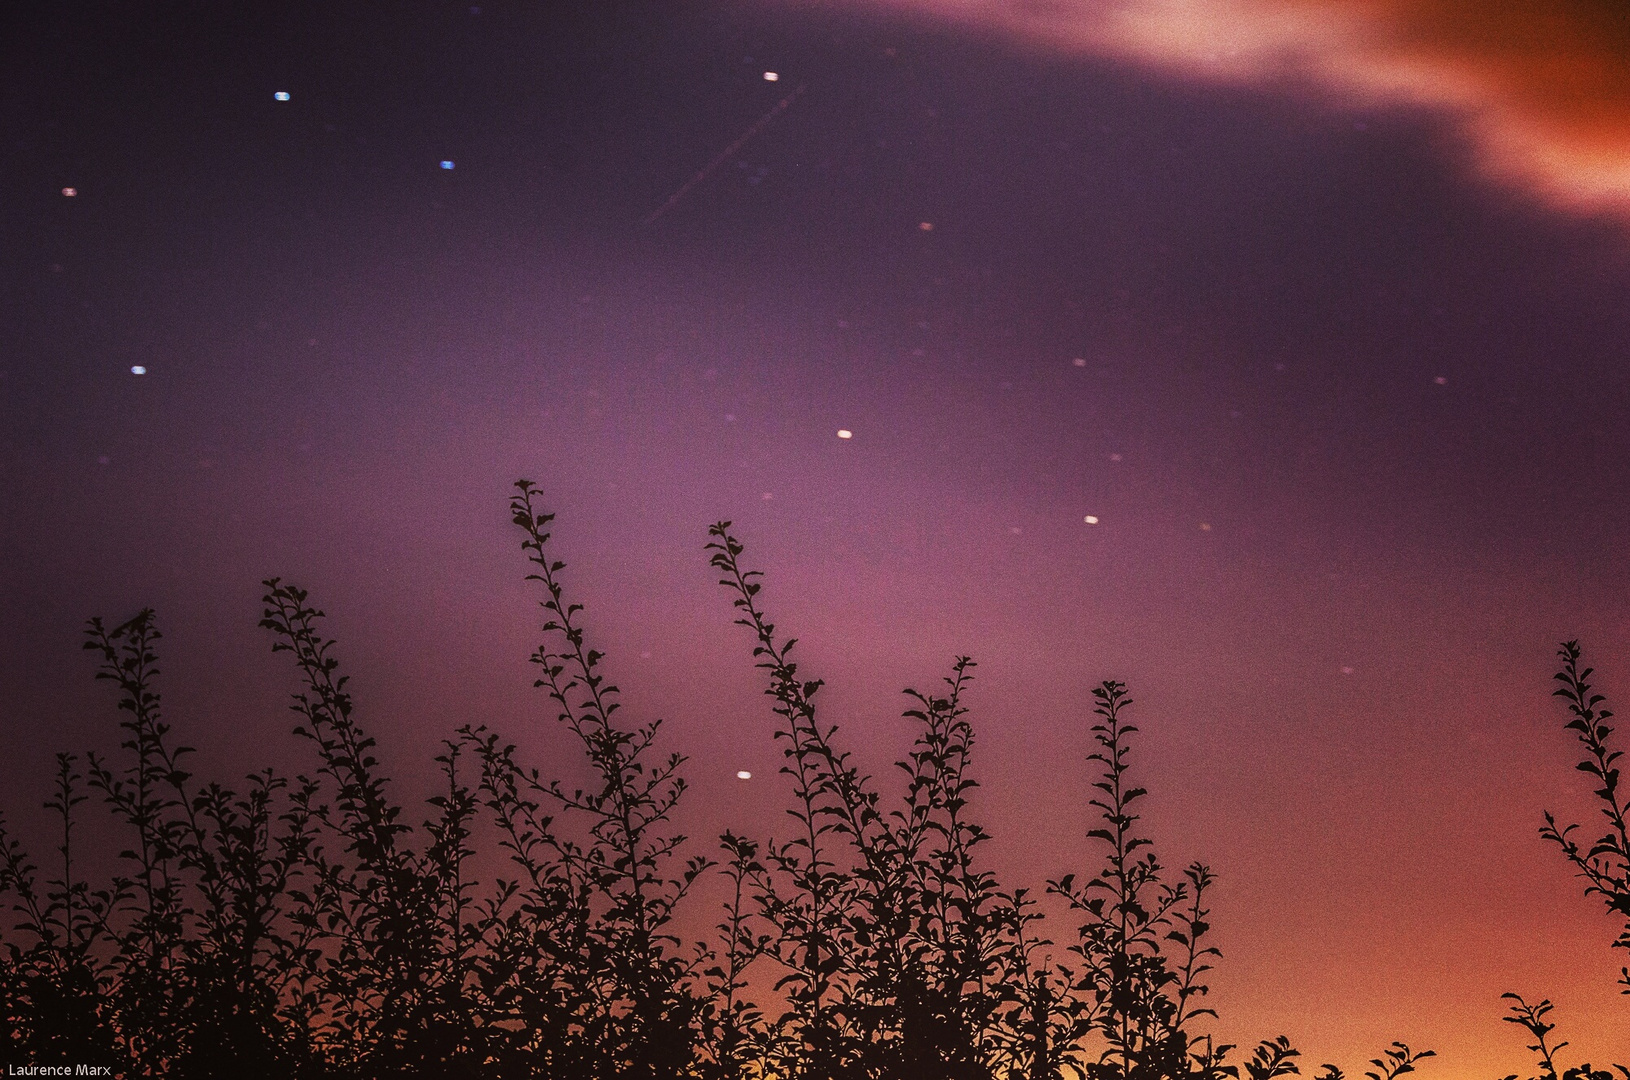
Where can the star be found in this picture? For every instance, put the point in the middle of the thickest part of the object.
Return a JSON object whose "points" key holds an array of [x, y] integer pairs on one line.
{"points": [[281, 95], [845, 433], [138, 370], [1091, 519], [744, 775]]}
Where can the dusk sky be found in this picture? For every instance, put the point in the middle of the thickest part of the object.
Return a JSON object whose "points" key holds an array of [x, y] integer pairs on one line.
{"points": [[1268, 355]]}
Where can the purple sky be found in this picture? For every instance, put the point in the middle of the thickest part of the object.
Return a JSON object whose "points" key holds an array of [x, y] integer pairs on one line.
{"points": [[1350, 417]]}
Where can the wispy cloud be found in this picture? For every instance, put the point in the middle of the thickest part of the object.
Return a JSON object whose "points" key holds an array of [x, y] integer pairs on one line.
{"points": [[1540, 90]]}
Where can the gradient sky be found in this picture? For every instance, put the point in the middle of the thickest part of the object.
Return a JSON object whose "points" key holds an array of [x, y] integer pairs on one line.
{"points": [[1319, 309]]}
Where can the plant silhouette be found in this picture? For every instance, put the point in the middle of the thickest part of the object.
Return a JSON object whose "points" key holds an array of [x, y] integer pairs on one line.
{"points": [[314, 926], [1604, 864]]}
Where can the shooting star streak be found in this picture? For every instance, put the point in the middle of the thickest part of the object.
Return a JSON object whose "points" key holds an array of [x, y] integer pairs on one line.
{"points": [[728, 153]]}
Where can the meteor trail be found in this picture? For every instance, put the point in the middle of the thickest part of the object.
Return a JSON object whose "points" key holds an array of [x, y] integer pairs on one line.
{"points": [[728, 153]]}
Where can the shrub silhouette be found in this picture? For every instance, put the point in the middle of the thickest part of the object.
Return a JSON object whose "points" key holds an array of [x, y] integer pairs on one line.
{"points": [[1605, 864], [314, 926]]}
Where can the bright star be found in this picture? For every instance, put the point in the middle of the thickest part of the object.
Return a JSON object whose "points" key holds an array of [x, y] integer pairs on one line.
{"points": [[744, 775], [138, 370], [281, 95], [1091, 520], [845, 433], [770, 76], [447, 164]]}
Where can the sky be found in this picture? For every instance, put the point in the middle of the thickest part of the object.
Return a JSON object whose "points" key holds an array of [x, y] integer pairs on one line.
{"points": [[1266, 355]]}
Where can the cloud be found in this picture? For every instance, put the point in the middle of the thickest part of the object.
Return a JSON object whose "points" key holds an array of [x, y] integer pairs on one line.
{"points": [[1541, 91]]}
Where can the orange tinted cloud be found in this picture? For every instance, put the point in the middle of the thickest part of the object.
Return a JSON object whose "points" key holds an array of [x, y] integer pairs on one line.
{"points": [[1540, 88]]}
